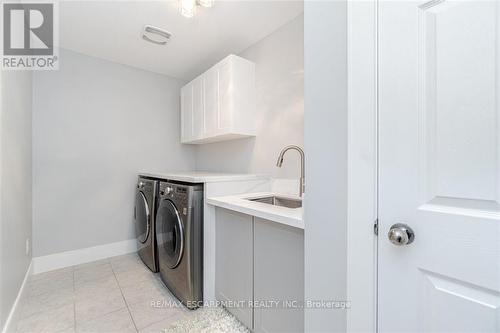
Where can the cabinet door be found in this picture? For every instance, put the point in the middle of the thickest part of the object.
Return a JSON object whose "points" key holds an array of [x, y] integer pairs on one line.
{"points": [[234, 262], [278, 275], [187, 113], [226, 95], [198, 108], [211, 99]]}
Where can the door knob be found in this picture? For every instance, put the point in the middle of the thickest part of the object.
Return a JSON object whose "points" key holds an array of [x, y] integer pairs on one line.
{"points": [[401, 234]]}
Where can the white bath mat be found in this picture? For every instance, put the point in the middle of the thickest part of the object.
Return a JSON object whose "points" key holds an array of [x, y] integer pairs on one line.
{"points": [[208, 320]]}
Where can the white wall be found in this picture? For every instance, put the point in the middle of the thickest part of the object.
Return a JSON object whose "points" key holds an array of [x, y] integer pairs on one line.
{"points": [[326, 174], [15, 181], [96, 125], [279, 109]]}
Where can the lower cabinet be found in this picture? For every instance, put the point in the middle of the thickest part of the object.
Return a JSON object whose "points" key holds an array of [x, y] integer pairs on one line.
{"points": [[278, 276], [261, 263], [234, 263]]}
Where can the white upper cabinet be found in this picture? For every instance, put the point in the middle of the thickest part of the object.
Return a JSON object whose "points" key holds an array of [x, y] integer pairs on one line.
{"points": [[219, 104], [187, 112], [198, 109]]}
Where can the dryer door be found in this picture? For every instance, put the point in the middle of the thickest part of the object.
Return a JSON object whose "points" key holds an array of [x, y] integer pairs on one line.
{"points": [[169, 234], [142, 216]]}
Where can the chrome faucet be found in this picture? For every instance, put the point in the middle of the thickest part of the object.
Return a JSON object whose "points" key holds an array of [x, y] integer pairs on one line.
{"points": [[279, 163]]}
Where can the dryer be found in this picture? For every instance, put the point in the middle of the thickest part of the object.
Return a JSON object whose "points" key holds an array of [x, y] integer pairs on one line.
{"points": [[179, 232], [144, 216]]}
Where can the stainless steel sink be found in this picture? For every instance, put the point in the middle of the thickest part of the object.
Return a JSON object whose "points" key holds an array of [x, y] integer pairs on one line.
{"points": [[279, 201]]}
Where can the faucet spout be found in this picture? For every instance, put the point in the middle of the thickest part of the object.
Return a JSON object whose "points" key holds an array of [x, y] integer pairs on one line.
{"points": [[279, 163]]}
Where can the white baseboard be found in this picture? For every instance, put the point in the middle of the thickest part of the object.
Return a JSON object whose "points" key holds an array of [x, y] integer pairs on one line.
{"points": [[81, 256], [20, 295]]}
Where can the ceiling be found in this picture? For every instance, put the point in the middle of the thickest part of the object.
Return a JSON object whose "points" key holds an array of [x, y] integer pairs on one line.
{"points": [[111, 30]]}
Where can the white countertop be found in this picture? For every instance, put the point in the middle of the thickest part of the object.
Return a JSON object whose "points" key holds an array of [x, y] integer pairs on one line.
{"points": [[288, 216], [202, 177]]}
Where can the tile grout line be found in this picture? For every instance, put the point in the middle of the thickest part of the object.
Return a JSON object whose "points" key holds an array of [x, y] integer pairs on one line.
{"points": [[93, 281], [184, 316], [123, 296], [155, 277], [40, 311], [73, 294]]}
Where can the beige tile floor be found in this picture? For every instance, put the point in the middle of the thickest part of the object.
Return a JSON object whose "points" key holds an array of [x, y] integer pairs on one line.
{"points": [[112, 295]]}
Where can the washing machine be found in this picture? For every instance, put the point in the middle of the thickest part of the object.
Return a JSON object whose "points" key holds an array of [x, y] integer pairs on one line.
{"points": [[179, 236], [144, 216]]}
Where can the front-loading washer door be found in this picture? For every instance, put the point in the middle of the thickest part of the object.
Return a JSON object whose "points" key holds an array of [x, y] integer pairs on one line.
{"points": [[169, 234], [142, 217]]}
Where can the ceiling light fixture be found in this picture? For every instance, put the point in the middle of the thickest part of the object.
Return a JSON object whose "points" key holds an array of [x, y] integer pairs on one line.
{"points": [[188, 7], [205, 3]]}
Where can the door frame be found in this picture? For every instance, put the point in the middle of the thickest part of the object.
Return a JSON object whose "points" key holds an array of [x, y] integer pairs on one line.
{"points": [[362, 69]]}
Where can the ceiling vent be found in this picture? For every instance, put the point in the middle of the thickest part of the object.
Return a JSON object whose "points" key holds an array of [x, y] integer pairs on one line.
{"points": [[156, 35]]}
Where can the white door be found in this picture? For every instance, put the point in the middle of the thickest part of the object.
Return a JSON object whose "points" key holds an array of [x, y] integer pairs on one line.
{"points": [[439, 166]]}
